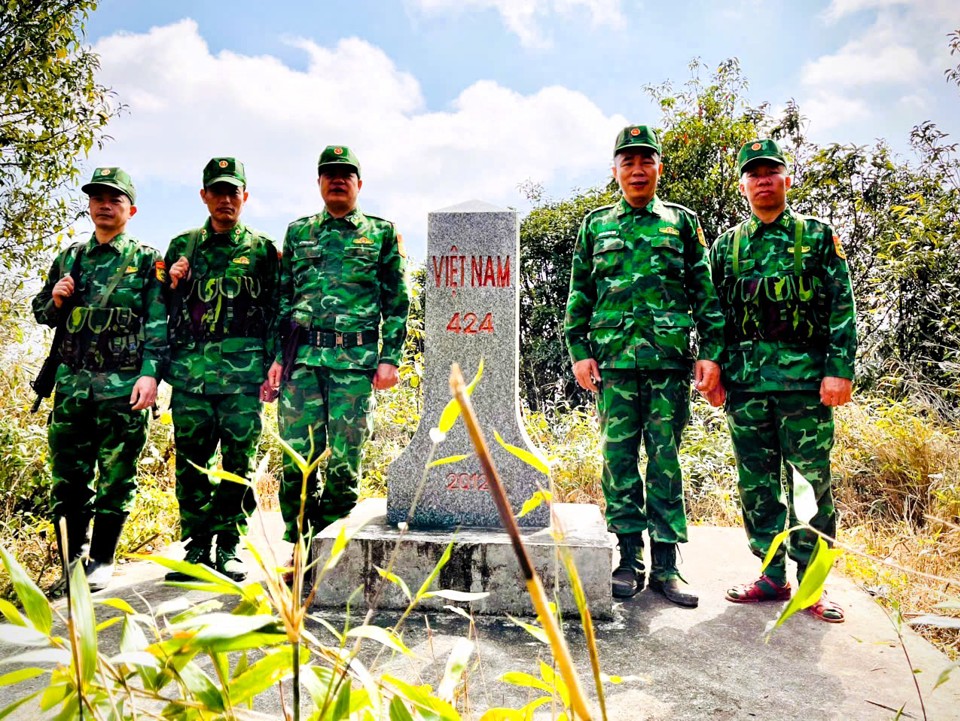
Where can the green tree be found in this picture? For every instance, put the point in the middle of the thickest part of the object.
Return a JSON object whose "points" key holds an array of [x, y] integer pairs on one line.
{"points": [[52, 112]]}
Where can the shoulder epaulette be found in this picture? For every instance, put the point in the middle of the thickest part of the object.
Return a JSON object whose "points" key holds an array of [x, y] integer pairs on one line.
{"points": [[670, 204], [601, 209]]}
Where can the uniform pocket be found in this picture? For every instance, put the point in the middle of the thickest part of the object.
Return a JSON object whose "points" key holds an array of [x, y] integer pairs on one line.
{"points": [[672, 334], [359, 264], [608, 256], [667, 256]]}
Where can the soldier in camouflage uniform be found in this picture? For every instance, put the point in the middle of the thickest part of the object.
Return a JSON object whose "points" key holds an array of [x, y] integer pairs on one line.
{"points": [[343, 283], [222, 301], [790, 343], [639, 283], [114, 348]]}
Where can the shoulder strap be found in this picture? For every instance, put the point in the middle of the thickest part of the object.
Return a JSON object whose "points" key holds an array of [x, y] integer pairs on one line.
{"points": [[737, 238], [115, 280], [193, 238], [798, 226]]}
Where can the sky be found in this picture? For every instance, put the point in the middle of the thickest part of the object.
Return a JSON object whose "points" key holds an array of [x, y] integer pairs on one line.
{"points": [[445, 101]]}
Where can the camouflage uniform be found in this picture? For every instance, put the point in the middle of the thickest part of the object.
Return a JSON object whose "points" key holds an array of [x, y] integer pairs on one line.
{"points": [[790, 322], [639, 283], [222, 338], [95, 438], [339, 278]]}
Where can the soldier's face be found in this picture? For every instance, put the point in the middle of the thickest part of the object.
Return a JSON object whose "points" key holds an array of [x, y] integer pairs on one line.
{"points": [[637, 173], [225, 202], [339, 188], [765, 184], [110, 209]]}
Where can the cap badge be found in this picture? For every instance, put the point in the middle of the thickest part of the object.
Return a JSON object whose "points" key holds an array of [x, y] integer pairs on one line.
{"points": [[223, 163], [338, 151], [634, 132], [105, 171], [756, 146]]}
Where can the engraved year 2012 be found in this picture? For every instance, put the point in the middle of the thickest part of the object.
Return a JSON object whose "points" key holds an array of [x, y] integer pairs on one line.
{"points": [[470, 323], [467, 482]]}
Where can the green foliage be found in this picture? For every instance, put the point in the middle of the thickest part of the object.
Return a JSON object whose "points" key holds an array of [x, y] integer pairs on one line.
{"points": [[52, 112]]}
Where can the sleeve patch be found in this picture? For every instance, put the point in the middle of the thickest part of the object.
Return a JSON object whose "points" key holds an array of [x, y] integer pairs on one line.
{"points": [[700, 238], [839, 248], [161, 271], [400, 247]]}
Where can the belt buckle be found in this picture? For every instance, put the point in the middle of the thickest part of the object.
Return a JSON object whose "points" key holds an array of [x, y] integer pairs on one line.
{"points": [[338, 340], [359, 338]]}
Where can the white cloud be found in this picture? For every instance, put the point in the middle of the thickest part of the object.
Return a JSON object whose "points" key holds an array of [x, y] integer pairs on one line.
{"points": [[187, 105], [524, 17], [842, 8], [863, 63], [826, 111]]}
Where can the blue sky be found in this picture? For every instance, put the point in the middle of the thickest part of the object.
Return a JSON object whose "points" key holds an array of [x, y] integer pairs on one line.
{"points": [[450, 100]]}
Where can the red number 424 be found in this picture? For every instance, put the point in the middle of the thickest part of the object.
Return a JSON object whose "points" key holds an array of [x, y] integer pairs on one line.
{"points": [[467, 323]]}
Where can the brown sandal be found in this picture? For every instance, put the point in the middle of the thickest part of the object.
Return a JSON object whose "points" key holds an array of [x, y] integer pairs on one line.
{"points": [[826, 610]]}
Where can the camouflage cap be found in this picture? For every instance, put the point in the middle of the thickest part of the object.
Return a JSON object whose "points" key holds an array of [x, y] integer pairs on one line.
{"points": [[115, 178], [637, 136], [765, 149], [334, 155], [224, 170]]}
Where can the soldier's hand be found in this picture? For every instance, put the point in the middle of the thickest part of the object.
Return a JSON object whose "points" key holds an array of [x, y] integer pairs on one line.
{"points": [[587, 373], [835, 391], [62, 290], [706, 376], [717, 397], [144, 393], [274, 376], [387, 376], [179, 271], [268, 394]]}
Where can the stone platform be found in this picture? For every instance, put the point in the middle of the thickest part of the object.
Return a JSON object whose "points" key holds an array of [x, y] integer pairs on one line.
{"points": [[482, 560]]}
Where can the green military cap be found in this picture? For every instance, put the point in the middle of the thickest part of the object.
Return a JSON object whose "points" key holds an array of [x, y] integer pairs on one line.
{"points": [[333, 155], [637, 136], [224, 170], [115, 178], [765, 149]]}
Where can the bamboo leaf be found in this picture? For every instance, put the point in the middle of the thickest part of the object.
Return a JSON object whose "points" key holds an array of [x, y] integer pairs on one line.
{"points": [[531, 459], [804, 497], [429, 706], [535, 631], [456, 664], [222, 475], [268, 671], [339, 546], [428, 581], [381, 636], [399, 712], [518, 678], [774, 545], [18, 703], [452, 410], [464, 596], [11, 613], [117, 603], [84, 622], [811, 587], [23, 674], [448, 459], [459, 611], [22, 636], [395, 579], [55, 656], [35, 604], [534, 502]]}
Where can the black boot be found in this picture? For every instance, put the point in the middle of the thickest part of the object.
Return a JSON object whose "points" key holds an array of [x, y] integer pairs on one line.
{"points": [[198, 552], [227, 562], [103, 549], [665, 578], [629, 576], [77, 544]]}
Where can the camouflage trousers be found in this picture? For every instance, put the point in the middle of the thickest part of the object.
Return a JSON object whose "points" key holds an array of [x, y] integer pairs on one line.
{"points": [[94, 447], [772, 432], [652, 407], [211, 507], [337, 407]]}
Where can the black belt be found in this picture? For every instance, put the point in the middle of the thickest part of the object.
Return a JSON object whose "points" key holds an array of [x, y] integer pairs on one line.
{"points": [[328, 339]]}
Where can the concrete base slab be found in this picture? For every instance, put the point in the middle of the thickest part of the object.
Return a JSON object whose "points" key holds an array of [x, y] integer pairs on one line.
{"points": [[481, 560]]}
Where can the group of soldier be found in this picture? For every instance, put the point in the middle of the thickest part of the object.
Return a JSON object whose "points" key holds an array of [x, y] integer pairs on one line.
{"points": [[230, 324], [774, 314]]}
